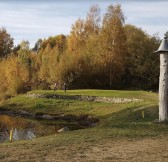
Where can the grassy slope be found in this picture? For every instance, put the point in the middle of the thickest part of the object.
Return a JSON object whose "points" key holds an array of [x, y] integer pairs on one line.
{"points": [[117, 121], [107, 93], [122, 119]]}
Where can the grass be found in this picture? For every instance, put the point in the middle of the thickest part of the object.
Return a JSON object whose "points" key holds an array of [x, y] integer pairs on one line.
{"points": [[117, 121], [120, 118]]}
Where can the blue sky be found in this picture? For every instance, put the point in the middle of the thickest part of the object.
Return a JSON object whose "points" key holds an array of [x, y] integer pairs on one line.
{"points": [[33, 19]]}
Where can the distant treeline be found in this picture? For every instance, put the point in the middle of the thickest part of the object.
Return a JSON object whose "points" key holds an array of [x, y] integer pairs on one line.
{"points": [[102, 53]]}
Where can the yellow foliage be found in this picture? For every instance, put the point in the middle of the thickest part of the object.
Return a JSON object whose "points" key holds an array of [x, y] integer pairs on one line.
{"points": [[14, 75]]}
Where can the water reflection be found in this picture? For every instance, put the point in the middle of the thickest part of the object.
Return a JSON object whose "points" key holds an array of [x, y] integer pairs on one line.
{"points": [[23, 134], [22, 128]]}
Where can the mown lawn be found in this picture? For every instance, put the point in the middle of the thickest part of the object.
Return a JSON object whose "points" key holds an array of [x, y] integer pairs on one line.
{"points": [[117, 122], [121, 118]]}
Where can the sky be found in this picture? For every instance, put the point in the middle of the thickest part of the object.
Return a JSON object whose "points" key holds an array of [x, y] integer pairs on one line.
{"points": [[34, 19]]}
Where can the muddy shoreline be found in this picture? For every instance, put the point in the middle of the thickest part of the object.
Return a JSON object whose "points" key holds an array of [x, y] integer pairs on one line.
{"points": [[83, 120]]}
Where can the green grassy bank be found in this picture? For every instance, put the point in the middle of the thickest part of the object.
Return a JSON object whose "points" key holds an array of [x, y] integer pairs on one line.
{"points": [[125, 119], [116, 121]]}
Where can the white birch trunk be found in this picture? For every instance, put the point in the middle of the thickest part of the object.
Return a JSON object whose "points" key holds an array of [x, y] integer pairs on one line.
{"points": [[163, 88]]}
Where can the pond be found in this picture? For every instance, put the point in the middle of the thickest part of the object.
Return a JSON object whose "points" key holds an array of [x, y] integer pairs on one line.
{"points": [[24, 128]]}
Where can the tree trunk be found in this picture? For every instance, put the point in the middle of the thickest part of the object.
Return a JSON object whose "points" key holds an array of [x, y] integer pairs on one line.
{"points": [[110, 77], [163, 88]]}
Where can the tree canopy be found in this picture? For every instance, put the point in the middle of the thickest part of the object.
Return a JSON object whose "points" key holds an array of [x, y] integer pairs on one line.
{"points": [[99, 52], [6, 43]]}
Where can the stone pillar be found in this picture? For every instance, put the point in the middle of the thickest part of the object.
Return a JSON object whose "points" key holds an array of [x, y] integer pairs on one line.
{"points": [[163, 88], [163, 81]]}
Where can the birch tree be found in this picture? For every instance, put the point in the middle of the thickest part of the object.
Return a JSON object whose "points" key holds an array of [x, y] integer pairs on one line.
{"points": [[113, 42]]}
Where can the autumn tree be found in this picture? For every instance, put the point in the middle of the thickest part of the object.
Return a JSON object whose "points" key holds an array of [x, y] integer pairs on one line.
{"points": [[44, 69], [113, 41], [24, 53], [58, 41], [76, 39], [3, 79], [82, 41], [16, 49], [37, 45], [16, 72], [92, 22], [24, 56], [54, 59], [16, 75], [142, 66], [96, 54], [6, 43], [61, 43]]}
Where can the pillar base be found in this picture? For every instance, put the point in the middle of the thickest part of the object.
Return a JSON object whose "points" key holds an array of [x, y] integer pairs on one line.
{"points": [[156, 121]]}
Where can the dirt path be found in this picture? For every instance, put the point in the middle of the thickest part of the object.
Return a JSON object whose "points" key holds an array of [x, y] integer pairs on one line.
{"points": [[124, 150]]}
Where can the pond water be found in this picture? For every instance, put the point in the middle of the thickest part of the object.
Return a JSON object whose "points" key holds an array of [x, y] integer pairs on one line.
{"points": [[23, 128]]}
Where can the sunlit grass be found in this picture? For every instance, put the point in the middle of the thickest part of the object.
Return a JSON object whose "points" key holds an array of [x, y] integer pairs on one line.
{"points": [[121, 117], [116, 121]]}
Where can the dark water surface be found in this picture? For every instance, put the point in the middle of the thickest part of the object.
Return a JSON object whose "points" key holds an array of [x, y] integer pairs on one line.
{"points": [[23, 128]]}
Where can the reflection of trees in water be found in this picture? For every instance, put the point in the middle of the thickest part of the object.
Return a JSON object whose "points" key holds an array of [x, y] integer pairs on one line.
{"points": [[22, 129], [4, 133], [23, 134], [12, 122], [18, 134]]}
